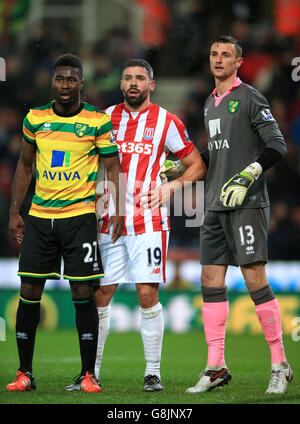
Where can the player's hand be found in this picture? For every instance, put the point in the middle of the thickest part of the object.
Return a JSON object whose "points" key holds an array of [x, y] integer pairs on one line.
{"points": [[101, 204], [117, 223], [170, 170], [234, 190], [16, 227], [155, 198]]}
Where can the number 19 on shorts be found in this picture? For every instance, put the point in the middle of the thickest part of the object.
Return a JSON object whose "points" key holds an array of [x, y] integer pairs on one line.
{"points": [[154, 256]]}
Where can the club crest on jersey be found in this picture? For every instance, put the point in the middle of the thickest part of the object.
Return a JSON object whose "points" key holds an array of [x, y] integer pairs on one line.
{"points": [[148, 133], [80, 129], [233, 105]]}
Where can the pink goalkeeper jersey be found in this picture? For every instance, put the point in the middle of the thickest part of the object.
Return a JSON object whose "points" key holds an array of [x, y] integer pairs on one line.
{"points": [[144, 140]]}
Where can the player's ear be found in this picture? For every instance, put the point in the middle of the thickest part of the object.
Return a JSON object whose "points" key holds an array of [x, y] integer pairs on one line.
{"points": [[239, 61], [81, 83], [152, 85]]}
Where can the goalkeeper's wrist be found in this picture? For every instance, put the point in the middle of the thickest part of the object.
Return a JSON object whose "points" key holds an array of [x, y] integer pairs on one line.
{"points": [[254, 169]]}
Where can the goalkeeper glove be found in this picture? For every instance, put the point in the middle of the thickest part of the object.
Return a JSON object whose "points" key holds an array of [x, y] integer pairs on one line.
{"points": [[170, 170], [234, 190]]}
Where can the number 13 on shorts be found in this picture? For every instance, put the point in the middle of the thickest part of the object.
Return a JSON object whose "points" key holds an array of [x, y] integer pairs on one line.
{"points": [[246, 235]]}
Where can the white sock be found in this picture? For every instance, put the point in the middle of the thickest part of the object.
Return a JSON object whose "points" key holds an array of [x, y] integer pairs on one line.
{"points": [[104, 326], [152, 330]]}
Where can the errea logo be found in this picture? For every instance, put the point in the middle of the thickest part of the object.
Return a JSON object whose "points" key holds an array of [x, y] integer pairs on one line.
{"points": [[250, 250], [46, 126]]}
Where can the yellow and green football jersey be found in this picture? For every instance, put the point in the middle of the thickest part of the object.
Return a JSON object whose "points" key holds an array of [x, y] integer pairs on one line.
{"points": [[67, 158]]}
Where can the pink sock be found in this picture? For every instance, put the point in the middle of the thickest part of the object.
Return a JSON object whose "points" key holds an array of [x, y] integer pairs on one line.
{"points": [[268, 314], [214, 319]]}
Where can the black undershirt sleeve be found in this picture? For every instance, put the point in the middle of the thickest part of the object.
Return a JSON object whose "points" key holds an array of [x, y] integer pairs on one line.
{"points": [[268, 158]]}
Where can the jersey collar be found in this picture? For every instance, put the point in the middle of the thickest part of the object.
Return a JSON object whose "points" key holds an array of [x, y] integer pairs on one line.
{"points": [[138, 113], [67, 115], [218, 99]]}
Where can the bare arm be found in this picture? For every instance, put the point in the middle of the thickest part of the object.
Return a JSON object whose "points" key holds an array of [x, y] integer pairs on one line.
{"points": [[195, 170], [116, 188], [20, 186]]}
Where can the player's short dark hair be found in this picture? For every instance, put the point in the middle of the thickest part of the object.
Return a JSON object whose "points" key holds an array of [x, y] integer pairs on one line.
{"points": [[69, 59], [232, 40], [140, 62]]}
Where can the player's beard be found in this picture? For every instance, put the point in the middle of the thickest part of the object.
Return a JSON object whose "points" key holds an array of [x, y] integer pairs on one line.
{"points": [[137, 100]]}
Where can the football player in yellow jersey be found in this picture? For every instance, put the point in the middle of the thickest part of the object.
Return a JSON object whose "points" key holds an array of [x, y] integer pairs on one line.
{"points": [[61, 225]]}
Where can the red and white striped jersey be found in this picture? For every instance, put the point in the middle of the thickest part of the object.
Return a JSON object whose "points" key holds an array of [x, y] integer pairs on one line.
{"points": [[144, 140]]}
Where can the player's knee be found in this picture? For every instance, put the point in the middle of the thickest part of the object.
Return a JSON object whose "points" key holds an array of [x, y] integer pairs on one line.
{"points": [[147, 294], [31, 288], [213, 275], [104, 294], [255, 277], [81, 290]]}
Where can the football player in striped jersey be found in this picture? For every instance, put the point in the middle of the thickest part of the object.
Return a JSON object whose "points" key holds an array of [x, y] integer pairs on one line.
{"points": [[145, 133]]}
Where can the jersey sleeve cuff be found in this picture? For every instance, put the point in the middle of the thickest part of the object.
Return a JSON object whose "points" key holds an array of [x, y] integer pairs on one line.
{"points": [[30, 141], [185, 151], [109, 155]]}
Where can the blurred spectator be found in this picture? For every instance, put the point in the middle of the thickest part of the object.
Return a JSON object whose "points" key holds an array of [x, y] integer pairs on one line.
{"points": [[295, 230], [192, 35], [192, 109], [156, 22], [280, 233]]}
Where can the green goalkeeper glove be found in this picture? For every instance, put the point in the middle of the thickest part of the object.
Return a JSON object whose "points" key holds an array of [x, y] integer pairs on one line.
{"points": [[170, 170], [234, 190]]}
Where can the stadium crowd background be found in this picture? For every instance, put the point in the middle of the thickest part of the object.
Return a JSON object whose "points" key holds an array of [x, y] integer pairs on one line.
{"points": [[174, 37]]}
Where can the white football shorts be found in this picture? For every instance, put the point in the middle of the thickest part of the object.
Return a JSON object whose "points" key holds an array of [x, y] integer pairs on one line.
{"points": [[134, 258]]}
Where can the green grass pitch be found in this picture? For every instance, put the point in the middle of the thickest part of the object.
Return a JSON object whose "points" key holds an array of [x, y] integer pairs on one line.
{"points": [[56, 362]]}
